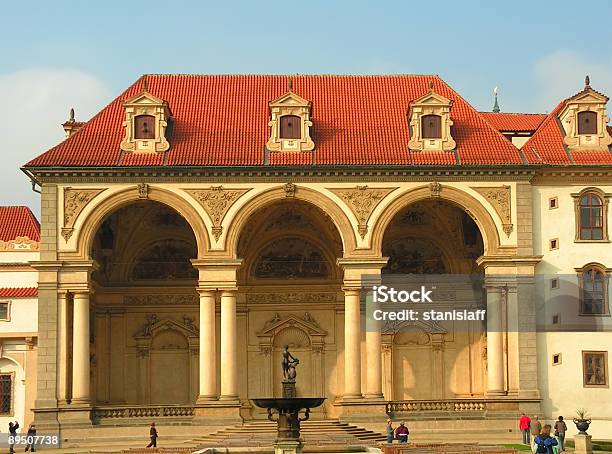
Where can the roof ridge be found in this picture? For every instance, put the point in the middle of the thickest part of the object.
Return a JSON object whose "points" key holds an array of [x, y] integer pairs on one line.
{"points": [[289, 75], [513, 113]]}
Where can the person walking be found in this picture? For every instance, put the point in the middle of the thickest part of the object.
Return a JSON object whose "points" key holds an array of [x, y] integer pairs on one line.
{"points": [[401, 433], [544, 442], [560, 429], [153, 434], [535, 427], [13, 433], [31, 438], [390, 431], [524, 422]]}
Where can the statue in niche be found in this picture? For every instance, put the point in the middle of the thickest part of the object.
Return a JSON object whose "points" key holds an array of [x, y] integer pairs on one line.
{"points": [[291, 258], [289, 362]]}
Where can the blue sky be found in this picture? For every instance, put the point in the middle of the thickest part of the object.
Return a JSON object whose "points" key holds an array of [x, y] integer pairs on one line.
{"points": [[61, 54]]}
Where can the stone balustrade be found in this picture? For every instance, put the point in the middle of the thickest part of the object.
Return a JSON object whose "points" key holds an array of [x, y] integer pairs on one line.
{"points": [[168, 411]]}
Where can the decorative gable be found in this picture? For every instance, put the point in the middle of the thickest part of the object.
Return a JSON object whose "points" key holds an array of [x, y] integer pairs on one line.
{"points": [[146, 120], [584, 120], [290, 124], [430, 123]]}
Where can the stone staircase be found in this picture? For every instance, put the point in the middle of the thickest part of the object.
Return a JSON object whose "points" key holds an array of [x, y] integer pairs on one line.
{"points": [[263, 433]]}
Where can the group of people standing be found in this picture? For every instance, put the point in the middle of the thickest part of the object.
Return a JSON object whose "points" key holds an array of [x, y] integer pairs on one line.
{"points": [[544, 442], [400, 433]]}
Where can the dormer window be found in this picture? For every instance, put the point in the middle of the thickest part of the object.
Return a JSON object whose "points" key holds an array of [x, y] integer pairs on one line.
{"points": [[290, 127], [146, 120], [144, 127], [431, 125], [290, 124], [587, 122], [584, 121]]}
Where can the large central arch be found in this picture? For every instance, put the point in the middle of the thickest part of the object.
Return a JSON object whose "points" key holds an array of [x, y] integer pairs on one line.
{"points": [[266, 198]]}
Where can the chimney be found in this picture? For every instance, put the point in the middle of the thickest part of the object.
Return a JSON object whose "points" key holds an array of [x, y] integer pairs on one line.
{"points": [[72, 126]]}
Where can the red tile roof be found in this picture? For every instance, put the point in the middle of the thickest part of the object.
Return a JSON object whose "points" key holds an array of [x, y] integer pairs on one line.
{"points": [[25, 292], [222, 120], [18, 221], [518, 122]]}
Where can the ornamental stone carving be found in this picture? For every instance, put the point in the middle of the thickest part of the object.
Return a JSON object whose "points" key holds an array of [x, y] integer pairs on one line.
{"points": [[21, 243], [289, 190], [75, 200], [291, 297], [499, 198], [362, 201], [216, 201], [435, 188], [173, 300], [143, 191]]}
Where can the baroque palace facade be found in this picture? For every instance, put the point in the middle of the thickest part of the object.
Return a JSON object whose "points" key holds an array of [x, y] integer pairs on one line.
{"points": [[198, 224]]}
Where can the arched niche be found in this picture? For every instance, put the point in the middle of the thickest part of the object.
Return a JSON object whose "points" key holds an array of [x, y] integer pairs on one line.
{"points": [[306, 341], [168, 361]]}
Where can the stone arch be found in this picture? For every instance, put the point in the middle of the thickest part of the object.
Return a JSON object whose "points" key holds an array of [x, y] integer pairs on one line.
{"points": [[94, 219], [457, 197], [316, 198]]}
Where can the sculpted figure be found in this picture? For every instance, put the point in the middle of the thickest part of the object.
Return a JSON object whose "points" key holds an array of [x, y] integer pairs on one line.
{"points": [[289, 362]]}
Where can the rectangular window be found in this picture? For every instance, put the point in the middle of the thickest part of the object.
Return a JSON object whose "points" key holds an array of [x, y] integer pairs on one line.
{"points": [[554, 283], [6, 393], [595, 369], [554, 244], [4, 311], [556, 319], [553, 203], [556, 359]]}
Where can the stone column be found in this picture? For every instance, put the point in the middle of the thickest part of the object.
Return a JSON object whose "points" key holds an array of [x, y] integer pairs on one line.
{"points": [[80, 349], [62, 363], [495, 343], [208, 347], [374, 365], [229, 360], [352, 343]]}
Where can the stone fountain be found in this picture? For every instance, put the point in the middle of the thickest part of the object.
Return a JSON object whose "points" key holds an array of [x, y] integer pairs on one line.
{"points": [[288, 408]]}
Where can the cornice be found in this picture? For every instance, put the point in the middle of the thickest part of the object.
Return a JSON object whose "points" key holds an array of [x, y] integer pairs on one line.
{"points": [[218, 175]]}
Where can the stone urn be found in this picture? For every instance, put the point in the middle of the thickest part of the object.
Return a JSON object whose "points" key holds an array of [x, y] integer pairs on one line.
{"points": [[582, 425]]}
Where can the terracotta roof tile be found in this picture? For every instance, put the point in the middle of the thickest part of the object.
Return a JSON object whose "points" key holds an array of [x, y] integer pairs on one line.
{"points": [[518, 122], [222, 120], [22, 292], [16, 221]]}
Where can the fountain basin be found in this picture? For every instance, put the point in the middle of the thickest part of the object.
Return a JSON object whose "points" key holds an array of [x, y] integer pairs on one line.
{"points": [[289, 404]]}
